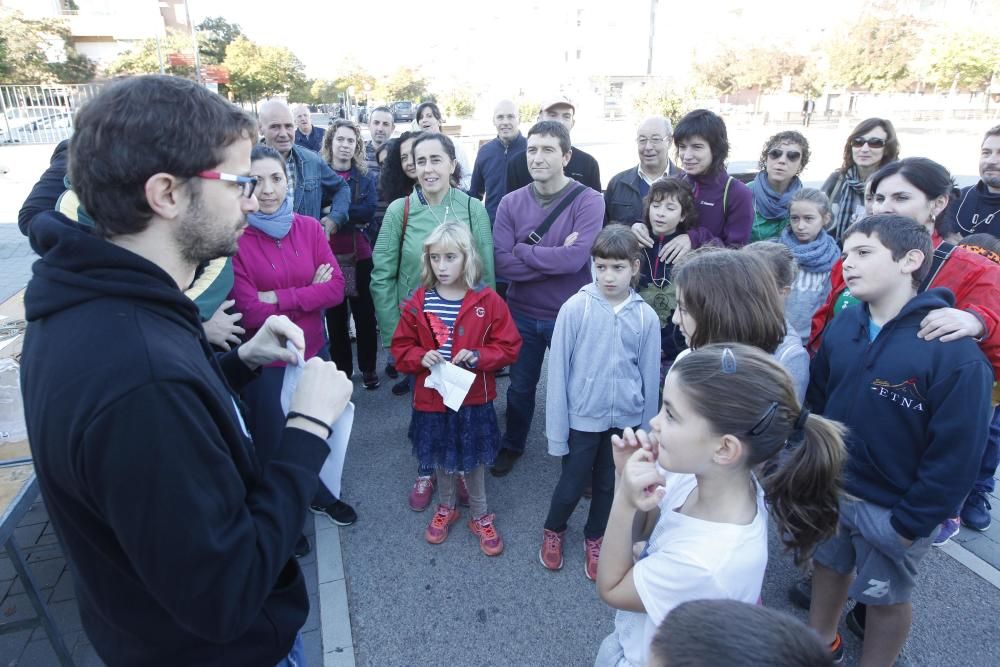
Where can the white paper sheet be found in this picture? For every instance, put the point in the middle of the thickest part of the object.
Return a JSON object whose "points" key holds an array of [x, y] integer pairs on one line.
{"points": [[452, 382], [332, 472]]}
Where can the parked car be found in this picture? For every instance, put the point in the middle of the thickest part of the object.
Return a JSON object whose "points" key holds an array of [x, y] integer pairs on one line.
{"points": [[403, 112]]}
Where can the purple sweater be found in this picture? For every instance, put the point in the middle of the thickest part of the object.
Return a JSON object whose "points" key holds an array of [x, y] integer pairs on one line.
{"points": [[732, 226], [543, 276]]}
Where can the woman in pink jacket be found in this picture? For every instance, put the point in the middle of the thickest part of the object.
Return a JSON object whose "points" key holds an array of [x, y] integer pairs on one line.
{"points": [[284, 266]]}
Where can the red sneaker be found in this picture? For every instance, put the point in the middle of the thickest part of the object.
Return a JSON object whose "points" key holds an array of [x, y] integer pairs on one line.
{"points": [[592, 553], [489, 539], [463, 491], [551, 552], [437, 530], [420, 494]]}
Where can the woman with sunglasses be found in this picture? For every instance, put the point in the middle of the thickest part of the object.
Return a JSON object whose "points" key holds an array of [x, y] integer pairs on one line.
{"points": [[872, 145], [284, 266], [784, 157]]}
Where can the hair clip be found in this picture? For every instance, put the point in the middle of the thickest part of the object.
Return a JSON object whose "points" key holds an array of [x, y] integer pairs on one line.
{"points": [[728, 361], [800, 422], [764, 422]]}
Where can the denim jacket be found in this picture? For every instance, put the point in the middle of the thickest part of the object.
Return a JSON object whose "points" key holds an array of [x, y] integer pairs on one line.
{"points": [[317, 186]]}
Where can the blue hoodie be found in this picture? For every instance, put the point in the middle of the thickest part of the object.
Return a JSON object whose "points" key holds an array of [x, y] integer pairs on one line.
{"points": [[604, 367], [917, 411]]}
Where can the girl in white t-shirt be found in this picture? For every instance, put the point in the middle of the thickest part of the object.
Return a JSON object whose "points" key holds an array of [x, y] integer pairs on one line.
{"points": [[687, 489]]}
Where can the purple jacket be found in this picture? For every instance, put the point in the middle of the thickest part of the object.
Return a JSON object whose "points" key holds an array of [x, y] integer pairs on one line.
{"points": [[543, 276], [732, 226]]}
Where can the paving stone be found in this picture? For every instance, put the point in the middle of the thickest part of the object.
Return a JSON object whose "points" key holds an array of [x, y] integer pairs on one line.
{"points": [[312, 619], [12, 645], [38, 654], [27, 536], [16, 608], [64, 589], [84, 655], [46, 574], [312, 644]]}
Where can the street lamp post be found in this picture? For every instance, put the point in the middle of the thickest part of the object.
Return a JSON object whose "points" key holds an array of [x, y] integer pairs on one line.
{"points": [[194, 40]]}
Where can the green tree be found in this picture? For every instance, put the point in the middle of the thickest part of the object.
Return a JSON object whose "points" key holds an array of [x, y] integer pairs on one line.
{"points": [[214, 35], [23, 54], [660, 100], [762, 69], [403, 84], [967, 60], [458, 104], [144, 57], [357, 77], [719, 73], [323, 91], [527, 110], [875, 52], [257, 72]]}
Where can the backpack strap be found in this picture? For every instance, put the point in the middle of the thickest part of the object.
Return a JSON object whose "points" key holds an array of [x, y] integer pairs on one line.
{"points": [[402, 234], [941, 253], [536, 236]]}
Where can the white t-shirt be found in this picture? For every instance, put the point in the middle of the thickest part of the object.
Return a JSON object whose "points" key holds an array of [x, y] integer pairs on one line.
{"points": [[691, 559]]}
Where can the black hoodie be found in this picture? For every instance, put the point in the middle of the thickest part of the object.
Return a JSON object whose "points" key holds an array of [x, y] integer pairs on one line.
{"points": [[179, 538], [977, 211], [917, 411]]}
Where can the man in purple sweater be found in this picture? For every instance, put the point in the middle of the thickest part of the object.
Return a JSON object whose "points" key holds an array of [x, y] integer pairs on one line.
{"points": [[544, 274]]}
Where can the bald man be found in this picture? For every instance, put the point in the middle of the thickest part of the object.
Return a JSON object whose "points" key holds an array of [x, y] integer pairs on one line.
{"points": [[307, 135], [489, 176], [313, 183], [623, 198]]}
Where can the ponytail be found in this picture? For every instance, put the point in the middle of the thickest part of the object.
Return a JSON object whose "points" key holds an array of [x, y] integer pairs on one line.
{"points": [[803, 491]]}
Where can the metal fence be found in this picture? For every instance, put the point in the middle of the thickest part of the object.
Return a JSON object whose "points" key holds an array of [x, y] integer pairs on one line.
{"points": [[41, 114]]}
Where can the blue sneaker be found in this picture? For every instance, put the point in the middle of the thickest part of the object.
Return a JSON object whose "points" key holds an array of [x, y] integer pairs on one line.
{"points": [[976, 511], [947, 530]]}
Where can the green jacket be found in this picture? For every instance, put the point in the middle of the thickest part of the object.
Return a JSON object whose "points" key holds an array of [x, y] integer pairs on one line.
{"points": [[396, 274]]}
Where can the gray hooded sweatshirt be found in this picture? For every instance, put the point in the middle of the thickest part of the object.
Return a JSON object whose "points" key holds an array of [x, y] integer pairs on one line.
{"points": [[604, 367]]}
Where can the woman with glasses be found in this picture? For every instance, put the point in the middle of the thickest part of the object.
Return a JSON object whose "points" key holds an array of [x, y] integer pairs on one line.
{"points": [[344, 150], [284, 266], [784, 157], [870, 146]]}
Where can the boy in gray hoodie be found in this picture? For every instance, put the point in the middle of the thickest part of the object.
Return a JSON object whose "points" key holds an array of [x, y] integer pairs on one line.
{"points": [[604, 376]]}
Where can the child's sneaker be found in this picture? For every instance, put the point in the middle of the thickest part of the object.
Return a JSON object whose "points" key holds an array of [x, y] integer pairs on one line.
{"points": [[437, 529], [463, 491], [837, 650], [947, 530], [489, 539], [551, 552], [420, 494], [592, 553]]}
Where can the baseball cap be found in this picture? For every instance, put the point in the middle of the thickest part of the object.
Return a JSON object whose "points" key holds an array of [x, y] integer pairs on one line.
{"points": [[561, 100]]}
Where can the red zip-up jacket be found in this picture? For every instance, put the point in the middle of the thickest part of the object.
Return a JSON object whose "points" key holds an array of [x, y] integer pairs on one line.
{"points": [[483, 324], [972, 278]]}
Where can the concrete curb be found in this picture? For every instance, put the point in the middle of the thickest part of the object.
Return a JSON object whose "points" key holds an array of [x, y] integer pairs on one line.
{"points": [[973, 562], [334, 612]]}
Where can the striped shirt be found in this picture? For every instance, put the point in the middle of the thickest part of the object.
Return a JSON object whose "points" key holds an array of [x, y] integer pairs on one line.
{"points": [[441, 314]]}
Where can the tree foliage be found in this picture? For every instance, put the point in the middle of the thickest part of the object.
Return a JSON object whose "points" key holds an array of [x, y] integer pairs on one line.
{"points": [[38, 51], [323, 91], [144, 57], [660, 100], [967, 60], [762, 69], [257, 72], [405, 83], [874, 53], [214, 35], [458, 104]]}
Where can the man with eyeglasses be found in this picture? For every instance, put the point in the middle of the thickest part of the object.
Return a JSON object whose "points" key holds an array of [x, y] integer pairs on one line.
{"points": [[623, 198], [313, 185], [180, 538]]}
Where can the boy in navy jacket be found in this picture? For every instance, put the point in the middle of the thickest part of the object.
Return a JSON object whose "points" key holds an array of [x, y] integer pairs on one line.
{"points": [[916, 415]]}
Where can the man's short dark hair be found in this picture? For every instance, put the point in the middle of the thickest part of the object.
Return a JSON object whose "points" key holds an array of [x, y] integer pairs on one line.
{"points": [[707, 633], [142, 126], [900, 235], [992, 132], [382, 108], [552, 128]]}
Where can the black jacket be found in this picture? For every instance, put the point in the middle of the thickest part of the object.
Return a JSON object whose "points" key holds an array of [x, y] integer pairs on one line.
{"points": [[46, 191], [917, 411], [582, 167], [180, 540], [622, 199]]}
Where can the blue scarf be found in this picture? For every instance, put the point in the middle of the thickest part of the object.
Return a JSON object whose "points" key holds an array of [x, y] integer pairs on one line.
{"points": [[277, 224], [769, 203], [817, 256]]}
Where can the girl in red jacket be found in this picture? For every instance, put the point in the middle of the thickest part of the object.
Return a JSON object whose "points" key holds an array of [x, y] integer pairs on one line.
{"points": [[452, 318]]}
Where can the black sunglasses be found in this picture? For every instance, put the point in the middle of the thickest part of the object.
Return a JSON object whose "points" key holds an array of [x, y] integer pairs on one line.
{"points": [[776, 153], [873, 142]]}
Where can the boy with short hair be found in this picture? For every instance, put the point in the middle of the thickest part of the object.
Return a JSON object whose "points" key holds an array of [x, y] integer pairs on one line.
{"points": [[604, 376], [916, 412]]}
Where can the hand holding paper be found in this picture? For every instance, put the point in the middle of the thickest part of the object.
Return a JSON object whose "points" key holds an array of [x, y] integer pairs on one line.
{"points": [[451, 382]]}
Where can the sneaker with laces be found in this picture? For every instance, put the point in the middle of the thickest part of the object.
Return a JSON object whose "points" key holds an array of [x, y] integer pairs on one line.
{"points": [[370, 380], [420, 494], [837, 650], [592, 553], [437, 529], [976, 511], [463, 491], [339, 512], [489, 539], [551, 552], [947, 530]]}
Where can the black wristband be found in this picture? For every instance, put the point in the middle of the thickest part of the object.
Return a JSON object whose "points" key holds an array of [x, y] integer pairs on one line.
{"points": [[314, 420]]}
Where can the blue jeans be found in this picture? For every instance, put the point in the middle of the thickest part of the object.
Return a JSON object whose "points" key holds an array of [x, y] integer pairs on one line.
{"points": [[536, 337], [991, 457], [297, 656]]}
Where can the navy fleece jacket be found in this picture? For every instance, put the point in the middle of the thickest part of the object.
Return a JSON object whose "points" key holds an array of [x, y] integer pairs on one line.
{"points": [[917, 411], [180, 538]]}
